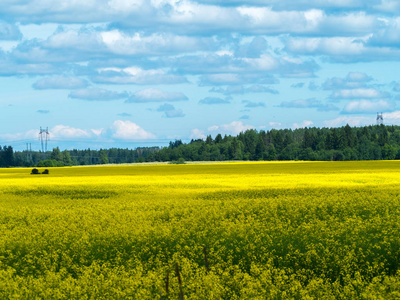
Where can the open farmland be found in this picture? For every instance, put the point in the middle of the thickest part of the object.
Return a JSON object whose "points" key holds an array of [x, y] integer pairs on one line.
{"points": [[294, 230]]}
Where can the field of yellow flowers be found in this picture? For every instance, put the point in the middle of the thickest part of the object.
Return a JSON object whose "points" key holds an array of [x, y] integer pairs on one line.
{"points": [[255, 230]]}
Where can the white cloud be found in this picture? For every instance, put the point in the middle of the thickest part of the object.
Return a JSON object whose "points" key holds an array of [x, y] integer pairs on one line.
{"points": [[97, 94], [85, 40], [197, 134], [221, 79], [28, 135], [252, 104], [170, 111], [119, 130], [351, 120], [303, 124], [233, 128], [156, 95], [367, 106], [392, 118], [390, 6], [357, 93], [334, 46], [275, 124], [60, 82], [308, 103], [67, 132], [213, 100], [176, 113], [353, 80], [137, 44], [9, 31], [136, 75], [127, 130], [264, 63], [387, 36]]}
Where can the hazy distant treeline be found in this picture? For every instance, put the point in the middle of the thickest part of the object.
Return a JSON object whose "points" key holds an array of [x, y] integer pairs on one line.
{"points": [[57, 158], [344, 143]]}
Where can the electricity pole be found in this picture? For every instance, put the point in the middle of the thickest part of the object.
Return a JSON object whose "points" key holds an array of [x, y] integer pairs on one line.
{"points": [[44, 137]]}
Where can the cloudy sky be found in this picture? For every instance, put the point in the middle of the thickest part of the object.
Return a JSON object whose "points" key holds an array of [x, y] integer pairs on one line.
{"points": [[128, 73]]}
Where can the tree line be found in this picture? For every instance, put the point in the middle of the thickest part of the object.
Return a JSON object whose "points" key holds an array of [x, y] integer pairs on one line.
{"points": [[325, 144]]}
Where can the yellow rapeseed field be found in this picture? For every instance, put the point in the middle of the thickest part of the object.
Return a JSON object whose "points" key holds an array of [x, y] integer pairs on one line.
{"points": [[246, 230]]}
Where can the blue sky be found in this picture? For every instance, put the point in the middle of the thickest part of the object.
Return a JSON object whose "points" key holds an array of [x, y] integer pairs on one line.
{"points": [[128, 73]]}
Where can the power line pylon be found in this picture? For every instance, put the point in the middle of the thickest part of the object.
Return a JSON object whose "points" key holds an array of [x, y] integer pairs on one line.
{"points": [[379, 119], [44, 137]]}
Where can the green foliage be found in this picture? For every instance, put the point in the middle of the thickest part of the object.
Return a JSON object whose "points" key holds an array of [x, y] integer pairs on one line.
{"points": [[35, 171], [345, 143], [48, 163], [56, 155], [180, 161], [103, 159], [6, 156]]}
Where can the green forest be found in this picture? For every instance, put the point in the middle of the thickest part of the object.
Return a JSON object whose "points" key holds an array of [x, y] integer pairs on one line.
{"points": [[323, 144]]}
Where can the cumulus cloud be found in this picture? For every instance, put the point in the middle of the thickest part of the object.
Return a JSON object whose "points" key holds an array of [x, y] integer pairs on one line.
{"points": [[60, 82], [298, 85], [357, 93], [392, 117], [30, 134], [127, 130], [197, 134], [233, 128], [214, 100], [309, 103], [388, 36], [119, 130], [97, 94], [154, 44], [271, 17], [305, 123], [232, 70], [351, 120], [67, 132], [155, 95], [253, 49], [239, 89], [353, 80], [221, 79], [396, 86], [9, 31], [136, 75], [170, 111], [347, 49], [340, 48], [388, 6], [368, 106], [9, 68], [251, 104], [275, 124]]}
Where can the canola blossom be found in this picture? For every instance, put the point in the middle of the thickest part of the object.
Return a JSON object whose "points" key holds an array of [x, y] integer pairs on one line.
{"points": [[253, 230]]}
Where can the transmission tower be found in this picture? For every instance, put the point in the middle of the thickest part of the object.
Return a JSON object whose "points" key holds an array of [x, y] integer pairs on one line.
{"points": [[44, 137], [379, 118]]}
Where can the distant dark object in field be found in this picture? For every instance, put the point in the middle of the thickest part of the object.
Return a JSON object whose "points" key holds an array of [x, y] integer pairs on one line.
{"points": [[35, 171]]}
